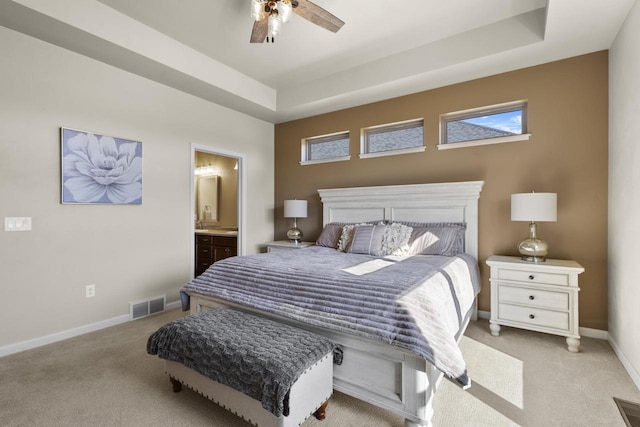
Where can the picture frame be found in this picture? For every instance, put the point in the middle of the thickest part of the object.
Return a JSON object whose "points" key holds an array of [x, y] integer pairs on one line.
{"points": [[100, 169]]}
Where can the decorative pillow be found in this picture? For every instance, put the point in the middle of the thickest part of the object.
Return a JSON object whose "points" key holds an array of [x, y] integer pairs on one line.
{"points": [[366, 239], [330, 235], [378, 240], [435, 239], [346, 236], [395, 238]]}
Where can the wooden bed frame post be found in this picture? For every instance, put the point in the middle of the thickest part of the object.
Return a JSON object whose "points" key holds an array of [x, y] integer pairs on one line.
{"points": [[176, 385], [321, 412]]}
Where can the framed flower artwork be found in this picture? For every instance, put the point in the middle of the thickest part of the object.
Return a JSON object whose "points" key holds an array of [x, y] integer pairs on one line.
{"points": [[100, 169]]}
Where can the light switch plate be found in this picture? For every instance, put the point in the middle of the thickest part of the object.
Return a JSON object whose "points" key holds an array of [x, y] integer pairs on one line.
{"points": [[22, 223]]}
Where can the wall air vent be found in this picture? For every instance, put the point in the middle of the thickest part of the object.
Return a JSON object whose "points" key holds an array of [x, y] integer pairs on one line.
{"points": [[145, 308]]}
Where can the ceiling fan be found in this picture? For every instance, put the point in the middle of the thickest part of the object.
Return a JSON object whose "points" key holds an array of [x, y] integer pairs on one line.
{"points": [[269, 15]]}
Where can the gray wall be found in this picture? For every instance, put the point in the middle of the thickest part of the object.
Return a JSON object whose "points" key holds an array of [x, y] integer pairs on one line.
{"points": [[128, 252], [624, 193]]}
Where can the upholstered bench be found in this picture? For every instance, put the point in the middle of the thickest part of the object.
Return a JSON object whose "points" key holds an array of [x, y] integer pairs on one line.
{"points": [[268, 373]]}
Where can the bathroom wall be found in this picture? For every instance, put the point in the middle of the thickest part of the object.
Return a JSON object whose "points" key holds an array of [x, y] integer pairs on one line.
{"points": [[225, 168]]}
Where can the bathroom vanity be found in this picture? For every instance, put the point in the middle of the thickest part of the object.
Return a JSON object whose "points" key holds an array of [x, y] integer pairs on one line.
{"points": [[212, 246]]}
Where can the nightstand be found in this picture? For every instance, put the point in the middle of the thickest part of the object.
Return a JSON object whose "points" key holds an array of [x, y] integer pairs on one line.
{"points": [[285, 245], [540, 296]]}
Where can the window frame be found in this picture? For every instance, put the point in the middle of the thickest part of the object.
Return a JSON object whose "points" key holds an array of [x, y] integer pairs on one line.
{"points": [[306, 143], [378, 129], [506, 107]]}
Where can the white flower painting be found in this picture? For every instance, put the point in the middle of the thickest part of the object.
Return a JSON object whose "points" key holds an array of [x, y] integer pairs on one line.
{"points": [[100, 169]]}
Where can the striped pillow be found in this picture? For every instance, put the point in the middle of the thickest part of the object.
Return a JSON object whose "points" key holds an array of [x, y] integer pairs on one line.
{"points": [[367, 239], [378, 240]]}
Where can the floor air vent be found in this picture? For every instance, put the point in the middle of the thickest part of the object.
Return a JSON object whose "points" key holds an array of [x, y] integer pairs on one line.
{"points": [[145, 308], [630, 412]]}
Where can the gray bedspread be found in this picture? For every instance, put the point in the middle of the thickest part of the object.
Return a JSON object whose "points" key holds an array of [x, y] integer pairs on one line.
{"points": [[256, 356], [416, 303]]}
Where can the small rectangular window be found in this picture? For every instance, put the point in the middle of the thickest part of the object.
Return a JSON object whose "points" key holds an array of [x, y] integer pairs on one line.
{"points": [[486, 125], [394, 138], [325, 148]]}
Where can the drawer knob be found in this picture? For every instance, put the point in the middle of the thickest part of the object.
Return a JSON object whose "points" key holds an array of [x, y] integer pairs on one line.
{"points": [[532, 316], [531, 297], [531, 277]]}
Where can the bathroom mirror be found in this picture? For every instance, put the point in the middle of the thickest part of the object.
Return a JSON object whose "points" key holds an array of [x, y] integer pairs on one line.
{"points": [[207, 199]]}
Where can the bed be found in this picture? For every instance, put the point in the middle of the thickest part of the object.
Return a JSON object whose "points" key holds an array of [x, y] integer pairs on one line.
{"points": [[391, 370]]}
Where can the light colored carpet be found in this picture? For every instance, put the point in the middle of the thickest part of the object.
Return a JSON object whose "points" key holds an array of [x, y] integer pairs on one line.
{"points": [[106, 378]]}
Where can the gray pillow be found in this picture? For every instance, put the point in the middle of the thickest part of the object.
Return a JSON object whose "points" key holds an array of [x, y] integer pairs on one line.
{"points": [[330, 235], [435, 238], [378, 240], [347, 233], [366, 239]]}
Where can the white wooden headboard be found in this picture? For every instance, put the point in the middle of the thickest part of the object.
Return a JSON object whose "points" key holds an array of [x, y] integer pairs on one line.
{"points": [[441, 202]]}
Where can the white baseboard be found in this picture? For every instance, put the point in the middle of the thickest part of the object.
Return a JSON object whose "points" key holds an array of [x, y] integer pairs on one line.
{"points": [[70, 333], [585, 332], [484, 314], [635, 376], [172, 305], [59, 336], [594, 333]]}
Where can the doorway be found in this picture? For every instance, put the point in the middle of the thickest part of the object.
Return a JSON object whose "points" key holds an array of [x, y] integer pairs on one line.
{"points": [[217, 200]]}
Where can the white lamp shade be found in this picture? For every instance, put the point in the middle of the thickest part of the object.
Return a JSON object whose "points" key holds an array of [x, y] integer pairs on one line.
{"points": [[534, 207], [295, 208]]}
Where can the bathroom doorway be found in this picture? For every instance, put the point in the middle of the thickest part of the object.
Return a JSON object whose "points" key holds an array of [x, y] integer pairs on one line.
{"points": [[217, 206]]}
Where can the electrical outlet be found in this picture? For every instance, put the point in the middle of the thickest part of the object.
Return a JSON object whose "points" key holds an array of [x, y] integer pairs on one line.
{"points": [[90, 291]]}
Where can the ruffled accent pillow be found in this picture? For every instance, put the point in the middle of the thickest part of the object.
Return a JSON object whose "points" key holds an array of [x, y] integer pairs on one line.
{"points": [[395, 238]]}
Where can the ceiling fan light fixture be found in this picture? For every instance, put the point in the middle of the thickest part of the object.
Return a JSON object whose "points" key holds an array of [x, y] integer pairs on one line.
{"points": [[285, 10], [269, 15], [275, 24], [257, 10]]}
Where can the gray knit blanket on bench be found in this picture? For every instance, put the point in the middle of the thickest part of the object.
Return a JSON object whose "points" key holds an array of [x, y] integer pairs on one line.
{"points": [[258, 357]]}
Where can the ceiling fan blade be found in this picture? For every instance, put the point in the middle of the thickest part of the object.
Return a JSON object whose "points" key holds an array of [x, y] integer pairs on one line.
{"points": [[319, 16], [260, 30]]}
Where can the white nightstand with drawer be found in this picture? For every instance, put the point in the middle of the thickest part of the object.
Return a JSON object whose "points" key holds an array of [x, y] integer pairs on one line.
{"points": [[539, 296]]}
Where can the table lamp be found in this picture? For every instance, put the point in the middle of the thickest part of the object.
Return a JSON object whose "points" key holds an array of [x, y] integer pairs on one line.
{"points": [[534, 207], [295, 209]]}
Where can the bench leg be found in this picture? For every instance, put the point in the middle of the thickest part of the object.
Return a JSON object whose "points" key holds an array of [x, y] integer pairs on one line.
{"points": [[320, 413], [177, 385]]}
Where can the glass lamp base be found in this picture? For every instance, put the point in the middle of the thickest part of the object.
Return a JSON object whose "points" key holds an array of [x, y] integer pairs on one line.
{"points": [[533, 250], [533, 258], [294, 235]]}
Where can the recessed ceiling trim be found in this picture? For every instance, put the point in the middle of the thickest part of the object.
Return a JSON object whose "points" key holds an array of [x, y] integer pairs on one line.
{"points": [[83, 32], [186, 46], [485, 41]]}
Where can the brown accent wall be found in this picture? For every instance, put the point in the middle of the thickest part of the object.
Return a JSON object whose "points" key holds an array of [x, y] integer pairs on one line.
{"points": [[567, 155]]}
